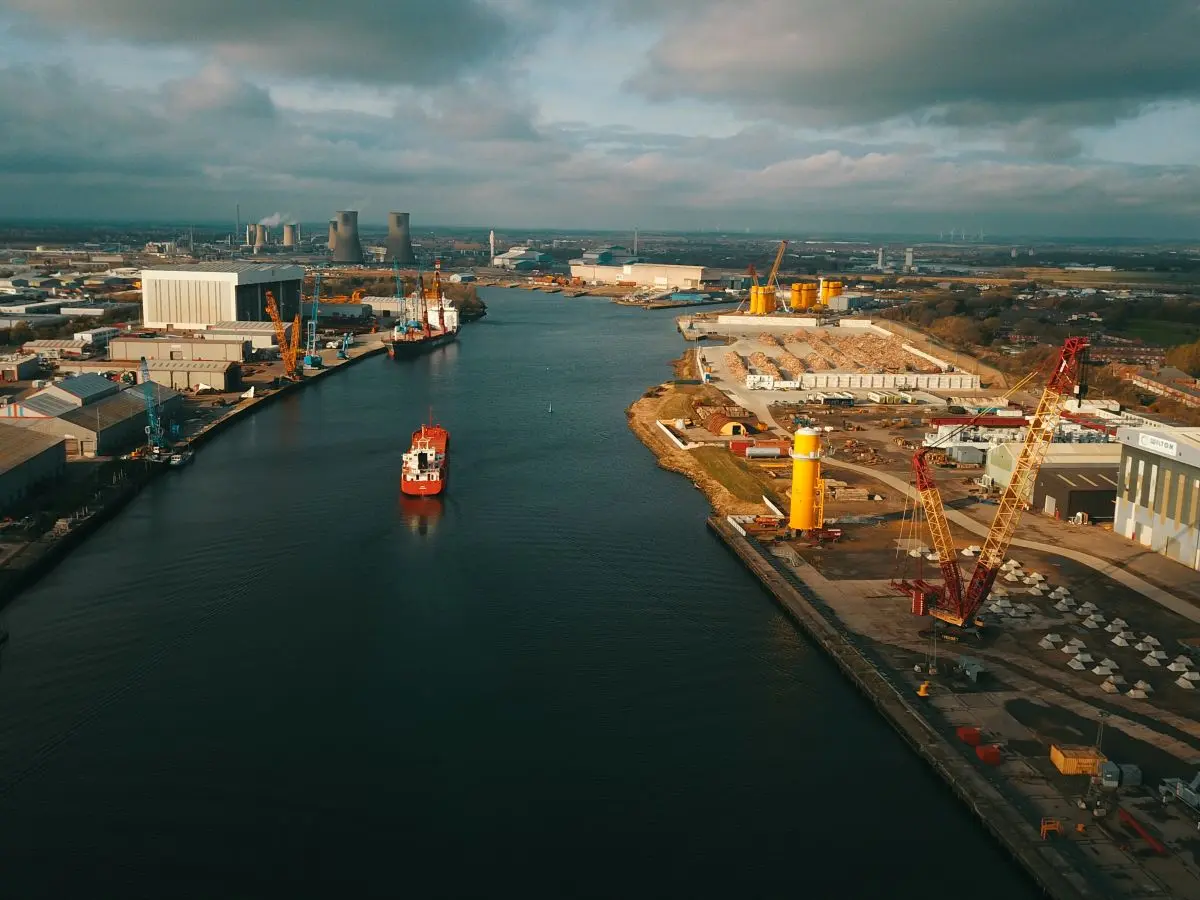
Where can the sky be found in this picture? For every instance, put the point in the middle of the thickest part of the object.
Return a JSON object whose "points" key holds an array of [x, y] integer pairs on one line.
{"points": [[1038, 117]]}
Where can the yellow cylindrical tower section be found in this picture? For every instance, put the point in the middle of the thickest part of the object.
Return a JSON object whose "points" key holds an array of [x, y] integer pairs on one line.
{"points": [[806, 474], [768, 300], [808, 295], [753, 310], [797, 302]]}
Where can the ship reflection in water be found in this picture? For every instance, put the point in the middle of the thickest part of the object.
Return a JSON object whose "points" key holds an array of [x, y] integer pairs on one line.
{"points": [[420, 514]]}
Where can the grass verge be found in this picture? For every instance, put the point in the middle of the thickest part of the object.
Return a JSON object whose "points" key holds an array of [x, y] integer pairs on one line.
{"points": [[724, 468]]}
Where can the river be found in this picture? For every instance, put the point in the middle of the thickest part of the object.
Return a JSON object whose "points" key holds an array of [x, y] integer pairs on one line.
{"points": [[268, 678]]}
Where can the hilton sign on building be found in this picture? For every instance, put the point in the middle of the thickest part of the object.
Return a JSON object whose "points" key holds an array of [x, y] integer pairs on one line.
{"points": [[1158, 499]]}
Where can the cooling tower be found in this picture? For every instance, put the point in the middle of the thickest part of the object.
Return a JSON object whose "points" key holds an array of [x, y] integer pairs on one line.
{"points": [[399, 242], [332, 234], [260, 236], [348, 248], [249, 235], [289, 235]]}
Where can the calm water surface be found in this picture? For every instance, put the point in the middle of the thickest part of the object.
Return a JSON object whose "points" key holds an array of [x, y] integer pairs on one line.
{"points": [[268, 678]]}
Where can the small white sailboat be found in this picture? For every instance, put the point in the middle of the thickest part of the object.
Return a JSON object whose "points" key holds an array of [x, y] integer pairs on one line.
{"points": [[551, 410]]}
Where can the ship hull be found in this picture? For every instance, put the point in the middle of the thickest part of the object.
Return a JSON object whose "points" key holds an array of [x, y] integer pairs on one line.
{"points": [[423, 488], [410, 349]]}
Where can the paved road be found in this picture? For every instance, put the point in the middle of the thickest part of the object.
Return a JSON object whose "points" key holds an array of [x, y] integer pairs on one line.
{"points": [[1103, 566]]}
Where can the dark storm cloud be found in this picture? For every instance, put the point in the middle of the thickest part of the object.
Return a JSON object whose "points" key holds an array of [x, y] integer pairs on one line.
{"points": [[965, 62], [417, 42]]}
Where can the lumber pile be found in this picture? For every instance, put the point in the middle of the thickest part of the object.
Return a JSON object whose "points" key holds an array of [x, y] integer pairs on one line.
{"points": [[792, 365], [763, 363], [737, 367], [770, 340]]}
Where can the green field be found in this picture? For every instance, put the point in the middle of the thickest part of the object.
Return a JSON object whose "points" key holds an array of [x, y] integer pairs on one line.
{"points": [[1160, 333]]}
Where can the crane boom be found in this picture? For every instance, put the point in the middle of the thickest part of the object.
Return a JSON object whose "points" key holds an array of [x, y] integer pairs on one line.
{"points": [[939, 529], [287, 349], [1063, 382], [773, 277]]}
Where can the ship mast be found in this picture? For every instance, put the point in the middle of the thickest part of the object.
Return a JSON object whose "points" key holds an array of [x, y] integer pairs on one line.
{"points": [[437, 292], [424, 305]]}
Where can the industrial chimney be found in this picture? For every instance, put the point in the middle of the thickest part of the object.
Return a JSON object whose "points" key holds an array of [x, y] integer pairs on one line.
{"points": [[332, 234], [399, 242], [289, 235], [348, 248], [260, 237], [249, 235]]}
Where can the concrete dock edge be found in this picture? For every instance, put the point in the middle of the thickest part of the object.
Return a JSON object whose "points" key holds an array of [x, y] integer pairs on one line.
{"points": [[1049, 869]]}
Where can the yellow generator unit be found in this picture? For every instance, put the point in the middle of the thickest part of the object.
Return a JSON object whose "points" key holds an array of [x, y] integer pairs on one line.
{"points": [[807, 508]]}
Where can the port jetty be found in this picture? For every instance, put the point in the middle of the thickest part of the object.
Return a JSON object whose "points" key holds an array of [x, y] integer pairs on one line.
{"points": [[1024, 742]]}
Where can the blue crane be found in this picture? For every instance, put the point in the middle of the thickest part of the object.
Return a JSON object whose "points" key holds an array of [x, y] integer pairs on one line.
{"points": [[312, 357], [344, 349], [155, 438]]}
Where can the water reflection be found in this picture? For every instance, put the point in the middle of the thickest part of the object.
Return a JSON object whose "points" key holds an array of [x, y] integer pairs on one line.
{"points": [[421, 514]]}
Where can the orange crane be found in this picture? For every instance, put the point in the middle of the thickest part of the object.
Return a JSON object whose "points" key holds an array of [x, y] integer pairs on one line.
{"points": [[288, 349], [952, 603]]}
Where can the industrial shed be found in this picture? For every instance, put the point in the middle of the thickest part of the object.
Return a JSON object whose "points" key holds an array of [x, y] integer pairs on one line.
{"points": [[17, 367], [29, 460], [107, 427], [185, 375], [179, 348], [204, 294], [1064, 491], [724, 426], [261, 335], [1002, 457]]}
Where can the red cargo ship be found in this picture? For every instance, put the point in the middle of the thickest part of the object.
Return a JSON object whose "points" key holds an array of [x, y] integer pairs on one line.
{"points": [[425, 463]]}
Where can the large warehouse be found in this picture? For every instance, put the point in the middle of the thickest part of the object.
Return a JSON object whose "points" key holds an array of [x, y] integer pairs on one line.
{"points": [[640, 274], [208, 293], [28, 461], [180, 348], [1158, 501]]}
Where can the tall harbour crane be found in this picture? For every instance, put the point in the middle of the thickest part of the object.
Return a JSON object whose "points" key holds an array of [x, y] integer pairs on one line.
{"points": [[156, 439], [953, 603], [288, 348], [312, 356]]}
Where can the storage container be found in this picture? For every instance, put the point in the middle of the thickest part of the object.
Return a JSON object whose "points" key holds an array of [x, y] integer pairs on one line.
{"points": [[969, 735], [1110, 774], [1073, 760], [989, 754]]}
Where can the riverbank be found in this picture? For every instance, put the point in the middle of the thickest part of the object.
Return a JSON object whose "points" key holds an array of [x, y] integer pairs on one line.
{"points": [[858, 624], [25, 565]]}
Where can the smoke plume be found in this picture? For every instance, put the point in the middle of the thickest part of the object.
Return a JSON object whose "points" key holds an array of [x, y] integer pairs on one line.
{"points": [[276, 219]]}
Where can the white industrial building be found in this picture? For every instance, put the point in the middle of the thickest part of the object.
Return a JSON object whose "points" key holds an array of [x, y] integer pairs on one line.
{"points": [[1158, 499], [641, 274], [521, 259], [204, 294]]}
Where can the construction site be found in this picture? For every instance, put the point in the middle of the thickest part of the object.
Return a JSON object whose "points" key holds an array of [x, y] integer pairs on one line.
{"points": [[1046, 668]]}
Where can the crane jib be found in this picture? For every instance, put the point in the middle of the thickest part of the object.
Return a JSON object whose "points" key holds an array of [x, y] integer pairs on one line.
{"points": [[954, 605]]}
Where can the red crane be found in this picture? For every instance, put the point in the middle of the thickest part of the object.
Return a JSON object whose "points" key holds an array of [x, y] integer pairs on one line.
{"points": [[952, 604]]}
